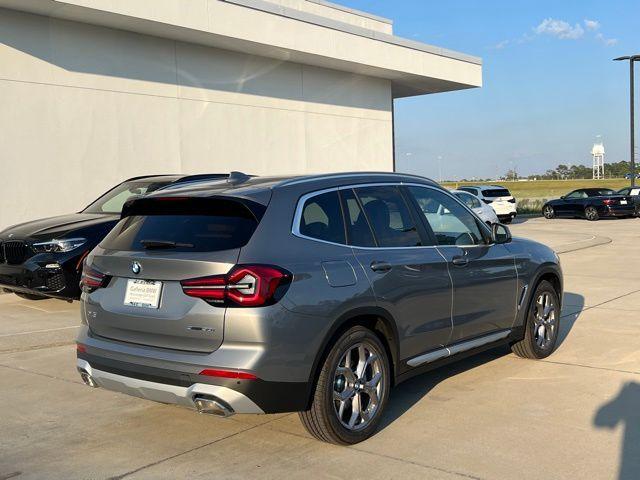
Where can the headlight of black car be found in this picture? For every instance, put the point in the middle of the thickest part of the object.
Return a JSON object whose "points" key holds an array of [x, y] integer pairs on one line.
{"points": [[59, 246]]}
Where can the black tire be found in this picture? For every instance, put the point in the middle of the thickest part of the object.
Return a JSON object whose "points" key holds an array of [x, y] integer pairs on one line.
{"points": [[548, 212], [322, 420], [529, 346], [30, 296], [591, 214]]}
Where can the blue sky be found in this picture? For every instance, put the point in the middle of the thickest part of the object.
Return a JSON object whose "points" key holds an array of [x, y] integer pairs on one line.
{"points": [[549, 84]]}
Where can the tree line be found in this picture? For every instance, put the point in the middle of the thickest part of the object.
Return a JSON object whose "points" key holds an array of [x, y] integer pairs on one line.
{"points": [[566, 172]]}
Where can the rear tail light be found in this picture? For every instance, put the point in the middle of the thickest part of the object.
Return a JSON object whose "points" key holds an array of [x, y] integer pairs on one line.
{"points": [[92, 279], [244, 285], [487, 201], [512, 200], [609, 201]]}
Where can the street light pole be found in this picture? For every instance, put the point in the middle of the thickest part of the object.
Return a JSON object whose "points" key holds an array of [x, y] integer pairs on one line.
{"points": [[632, 59]]}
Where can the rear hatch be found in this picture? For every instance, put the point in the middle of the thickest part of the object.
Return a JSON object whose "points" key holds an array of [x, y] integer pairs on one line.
{"points": [[160, 242]]}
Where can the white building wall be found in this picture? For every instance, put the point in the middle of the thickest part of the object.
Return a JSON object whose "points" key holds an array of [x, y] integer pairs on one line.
{"points": [[84, 107]]}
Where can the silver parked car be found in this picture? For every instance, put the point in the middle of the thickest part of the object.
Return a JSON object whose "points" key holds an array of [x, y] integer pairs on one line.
{"points": [[311, 294], [486, 212]]}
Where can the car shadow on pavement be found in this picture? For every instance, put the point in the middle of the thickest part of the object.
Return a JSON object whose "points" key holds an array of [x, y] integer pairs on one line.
{"points": [[572, 307], [624, 410], [410, 392]]}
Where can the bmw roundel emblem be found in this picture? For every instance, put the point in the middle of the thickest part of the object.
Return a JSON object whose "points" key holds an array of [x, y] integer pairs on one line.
{"points": [[136, 267]]}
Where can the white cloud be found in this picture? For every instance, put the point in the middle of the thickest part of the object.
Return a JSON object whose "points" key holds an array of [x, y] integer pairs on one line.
{"points": [[559, 29], [502, 44], [591, 24], [562, 30], [609, 42]]}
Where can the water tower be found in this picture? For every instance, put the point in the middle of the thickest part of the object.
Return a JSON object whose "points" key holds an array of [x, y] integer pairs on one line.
{"points": [[597, 152]]}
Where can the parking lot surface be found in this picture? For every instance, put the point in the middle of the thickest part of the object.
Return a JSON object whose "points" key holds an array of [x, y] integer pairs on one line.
{"points": [[494, 416]]}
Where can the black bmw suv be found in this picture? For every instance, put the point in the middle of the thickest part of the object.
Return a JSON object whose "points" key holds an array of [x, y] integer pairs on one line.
{"points": [[43, 258]]}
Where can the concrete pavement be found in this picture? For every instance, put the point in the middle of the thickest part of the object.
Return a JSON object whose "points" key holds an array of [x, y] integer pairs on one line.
{"points": [[495, 416]]}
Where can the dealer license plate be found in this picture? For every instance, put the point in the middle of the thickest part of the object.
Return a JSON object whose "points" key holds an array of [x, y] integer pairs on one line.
{"points": [[143, 293]]}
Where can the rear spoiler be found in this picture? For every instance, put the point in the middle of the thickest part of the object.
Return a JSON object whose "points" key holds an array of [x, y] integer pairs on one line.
{"points": [[218, 205]]}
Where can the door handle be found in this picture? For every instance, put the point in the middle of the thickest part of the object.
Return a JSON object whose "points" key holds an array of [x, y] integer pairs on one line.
{"points": [[380, 267], [460, 261]]}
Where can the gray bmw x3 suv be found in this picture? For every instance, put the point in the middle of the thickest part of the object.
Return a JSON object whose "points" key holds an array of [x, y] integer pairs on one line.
{"points": [[306, 294]]}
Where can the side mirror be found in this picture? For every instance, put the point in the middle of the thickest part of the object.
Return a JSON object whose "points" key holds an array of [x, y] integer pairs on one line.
{"points": [[500, 233], [563, 197]]}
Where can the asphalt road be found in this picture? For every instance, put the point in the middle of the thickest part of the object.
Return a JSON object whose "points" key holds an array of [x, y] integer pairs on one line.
{"points": [[496, 416]]}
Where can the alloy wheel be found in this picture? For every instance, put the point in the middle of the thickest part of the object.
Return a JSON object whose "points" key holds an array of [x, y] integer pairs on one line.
{"points": [[591, 213], [548, 212], [545, 320], [358, 386]]}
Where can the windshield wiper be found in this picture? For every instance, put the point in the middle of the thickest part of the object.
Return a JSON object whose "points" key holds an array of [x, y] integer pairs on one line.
{"points": [[153, 244]]}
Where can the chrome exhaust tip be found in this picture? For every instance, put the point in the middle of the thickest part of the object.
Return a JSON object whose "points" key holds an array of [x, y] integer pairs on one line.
{"points": [[87, 379], [212, 406]]}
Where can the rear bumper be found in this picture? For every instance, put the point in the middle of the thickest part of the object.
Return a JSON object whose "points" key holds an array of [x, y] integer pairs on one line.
{"points": [[619, 211], [231, 400], [507, 216], [178, 382]]}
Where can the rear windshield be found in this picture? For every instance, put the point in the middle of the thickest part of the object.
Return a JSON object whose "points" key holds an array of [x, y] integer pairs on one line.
{"points": [[220, 225], [496, 192], [601, 193], [113, 200]]}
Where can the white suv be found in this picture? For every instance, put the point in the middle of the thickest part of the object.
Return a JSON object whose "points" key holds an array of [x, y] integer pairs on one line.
{"points": [[498, 197]]}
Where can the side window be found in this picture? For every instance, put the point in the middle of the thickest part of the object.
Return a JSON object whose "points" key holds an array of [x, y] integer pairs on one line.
{"points": [[468, 199], [577, 194], [472, 191], [451, 223], [358, 229], [624, 191], [322, 218], [389, 216]]}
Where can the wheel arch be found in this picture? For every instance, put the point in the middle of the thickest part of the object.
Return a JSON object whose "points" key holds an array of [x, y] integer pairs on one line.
{"points": [[551, 273], [378, 320]]}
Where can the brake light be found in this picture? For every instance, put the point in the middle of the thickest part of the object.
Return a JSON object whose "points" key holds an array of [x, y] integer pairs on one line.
{"points": [[487, 201], [209, 288], [92, 279], [237, 374], [609, 201], [244, 285], [512, 200]]}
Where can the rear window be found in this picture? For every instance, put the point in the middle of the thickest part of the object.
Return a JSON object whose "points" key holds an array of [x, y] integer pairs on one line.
{"points": [[189, 226], [601, 193], [496, 192]]}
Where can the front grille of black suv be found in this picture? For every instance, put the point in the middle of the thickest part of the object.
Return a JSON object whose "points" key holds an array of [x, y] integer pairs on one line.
{"points": [[15, 252]]}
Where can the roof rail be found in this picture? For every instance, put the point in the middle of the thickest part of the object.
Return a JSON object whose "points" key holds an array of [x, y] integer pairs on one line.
{"points": [[311, 178]]}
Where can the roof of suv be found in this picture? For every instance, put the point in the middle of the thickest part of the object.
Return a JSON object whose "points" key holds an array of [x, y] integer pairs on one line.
{"points": [[484, 187], [245, 185]]}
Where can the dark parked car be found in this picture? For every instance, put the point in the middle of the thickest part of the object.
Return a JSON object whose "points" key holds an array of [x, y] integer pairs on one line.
{"points": [[311, 294], [634, 193], [590, 203], [43, 258]]}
